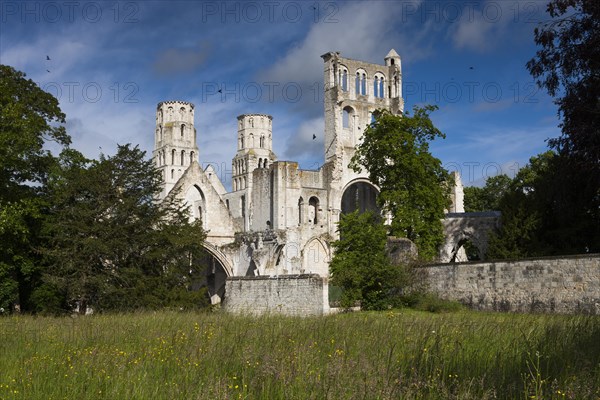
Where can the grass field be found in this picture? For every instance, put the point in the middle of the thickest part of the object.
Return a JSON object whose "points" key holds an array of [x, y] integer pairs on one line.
{"points": [[388, 355]]}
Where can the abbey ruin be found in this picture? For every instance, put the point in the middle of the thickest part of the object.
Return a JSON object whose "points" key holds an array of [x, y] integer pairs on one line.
{"points": [[279, 220]]}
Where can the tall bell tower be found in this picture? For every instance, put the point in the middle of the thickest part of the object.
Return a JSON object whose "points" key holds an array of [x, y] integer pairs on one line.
{"points": [[175, 147], [353, 90]]}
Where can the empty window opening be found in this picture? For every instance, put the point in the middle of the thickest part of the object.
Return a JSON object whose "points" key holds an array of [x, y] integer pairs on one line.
{"points": [[313, 210]]}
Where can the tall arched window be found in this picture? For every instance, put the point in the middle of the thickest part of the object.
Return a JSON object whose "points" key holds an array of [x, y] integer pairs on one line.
{"points": [[173, 157], [347, 115], [357, 83], [192, 155], [363, 85], [182, 157], [260, 163], [375, 86], [182, 129], [313, 210], [300, 211], [172, 173]]}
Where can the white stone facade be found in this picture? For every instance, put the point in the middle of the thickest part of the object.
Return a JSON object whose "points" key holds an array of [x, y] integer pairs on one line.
{"points": [[279, 219]]}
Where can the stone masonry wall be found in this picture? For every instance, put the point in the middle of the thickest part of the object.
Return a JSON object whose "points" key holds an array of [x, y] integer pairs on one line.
{"points": [[554, 284], [286, 294]]}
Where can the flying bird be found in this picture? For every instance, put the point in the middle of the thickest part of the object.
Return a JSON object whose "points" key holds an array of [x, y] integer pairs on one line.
{"points": [[220, 90], [471, 68], [47, 58], [314, 136], [48, 71]]}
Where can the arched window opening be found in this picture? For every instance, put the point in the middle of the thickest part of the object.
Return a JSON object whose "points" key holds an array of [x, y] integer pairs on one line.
{"points": [[241, 142], [375, 86], [192, 156], [243, 205], [262, 142], [363, 85], [357, 83], [182, 129], [300, 211], [182, 157], [173, 157], [227, 203], [347, 115], [313, 210], [381, 86], [245, 183], [345, 81], [392, 61], [251, 121], [172, 173], [265, 163], [260, 163]]}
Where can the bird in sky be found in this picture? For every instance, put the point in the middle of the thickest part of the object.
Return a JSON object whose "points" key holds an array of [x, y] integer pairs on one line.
{"points": [[314, 136], [48, 71], [47, 58]]}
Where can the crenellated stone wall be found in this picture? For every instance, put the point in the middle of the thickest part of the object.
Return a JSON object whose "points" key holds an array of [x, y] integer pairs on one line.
{"points": [[568, 284], [286, 294]]}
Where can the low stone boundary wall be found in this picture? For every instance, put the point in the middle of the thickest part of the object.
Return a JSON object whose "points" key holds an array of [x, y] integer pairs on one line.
{"points": [[286, 294], [568, 284]]}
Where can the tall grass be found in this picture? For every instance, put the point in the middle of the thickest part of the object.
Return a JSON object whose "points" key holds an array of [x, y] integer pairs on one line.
{"points": [[390, 355]]}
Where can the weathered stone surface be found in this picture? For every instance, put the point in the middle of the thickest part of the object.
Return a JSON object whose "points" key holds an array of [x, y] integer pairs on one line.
{"points": [[553, 284], [285, 294]]}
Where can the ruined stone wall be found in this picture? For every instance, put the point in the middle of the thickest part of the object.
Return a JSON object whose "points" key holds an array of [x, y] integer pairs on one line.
{"points": [[553, 284], [286, 294]]}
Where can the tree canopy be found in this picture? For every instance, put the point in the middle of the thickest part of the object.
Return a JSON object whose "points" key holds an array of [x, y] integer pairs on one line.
{"points": [[29, 119], [568, 67], [414, 187], [361, 266], [108, 240]]}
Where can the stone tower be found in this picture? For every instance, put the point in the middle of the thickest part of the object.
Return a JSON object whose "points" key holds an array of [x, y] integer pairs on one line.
{"points": [[174, 141], [254, 150], [353, 90]]}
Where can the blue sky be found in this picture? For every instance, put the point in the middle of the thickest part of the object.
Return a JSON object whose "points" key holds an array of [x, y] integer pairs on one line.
{"points": [[112, 62]]}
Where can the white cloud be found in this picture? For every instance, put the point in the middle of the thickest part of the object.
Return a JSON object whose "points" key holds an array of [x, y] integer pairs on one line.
{"points": [[363, 30], [481, 28]]}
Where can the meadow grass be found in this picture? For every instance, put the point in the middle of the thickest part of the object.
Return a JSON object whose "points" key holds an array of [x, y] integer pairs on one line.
{"points": [[388, 355]]}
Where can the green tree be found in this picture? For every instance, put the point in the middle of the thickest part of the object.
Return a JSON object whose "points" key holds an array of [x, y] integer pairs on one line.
{"points": [[543, 214], [488, 197], [111, 245], [414, 187], [567, 67], [360, 265], [29, 119]]}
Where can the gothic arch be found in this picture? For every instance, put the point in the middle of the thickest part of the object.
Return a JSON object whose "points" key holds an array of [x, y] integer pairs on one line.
{"points": [[462, 228], [316, 257]]}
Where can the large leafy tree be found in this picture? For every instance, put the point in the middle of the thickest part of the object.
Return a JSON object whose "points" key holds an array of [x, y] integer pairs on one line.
{"points": [[29, 120], [568, 67], [111, 245], [414, 187], [361, 266]]}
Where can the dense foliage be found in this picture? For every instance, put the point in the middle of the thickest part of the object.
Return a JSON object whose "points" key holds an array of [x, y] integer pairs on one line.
{"points": [[29, 119], [109, 243], [361, 266], [80, 232], [414, 187]]}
